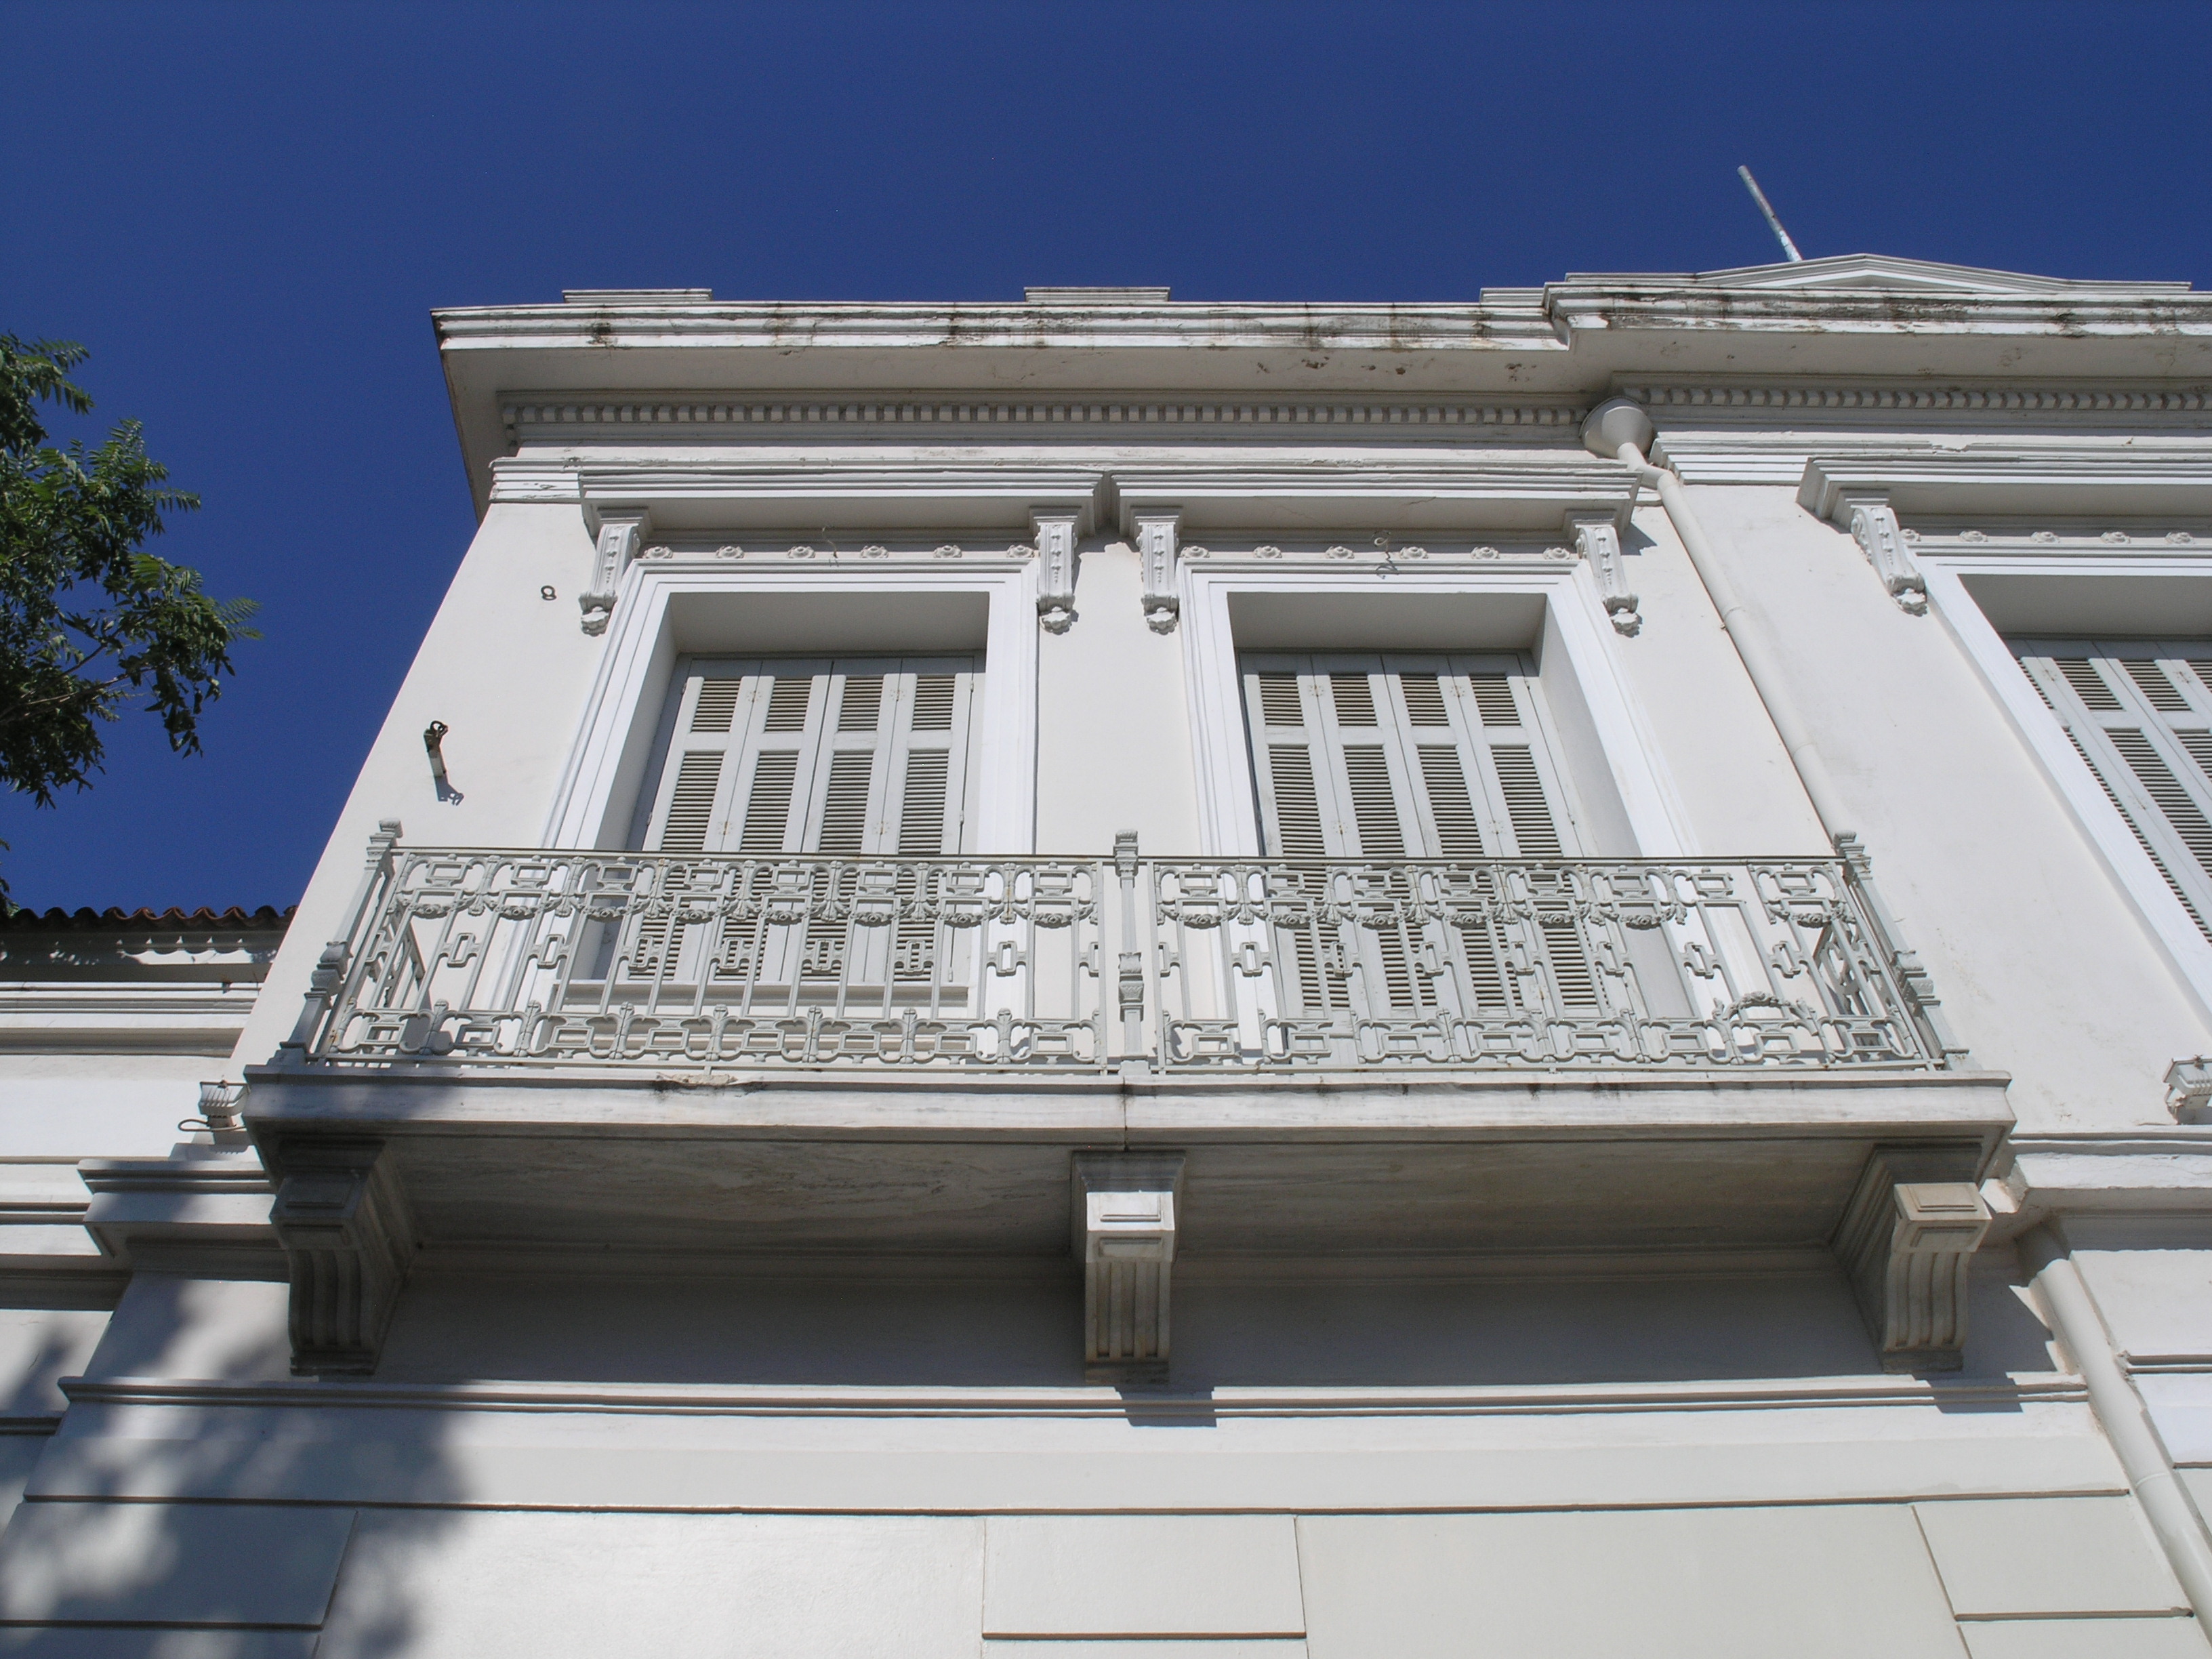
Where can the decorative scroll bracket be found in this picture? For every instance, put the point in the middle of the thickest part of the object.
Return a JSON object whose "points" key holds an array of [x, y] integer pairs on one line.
{"points": [[1053, 530], [342, 1221], [1156, 530], [1907, 1238], [1873, 524], [1598, 540], [622, 531], [1124, 1214], [2188, 1089]]}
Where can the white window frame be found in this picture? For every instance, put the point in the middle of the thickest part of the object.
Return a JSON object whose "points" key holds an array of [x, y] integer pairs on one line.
{"points": [[1575, 621], [624, 708], [1943, 569]]}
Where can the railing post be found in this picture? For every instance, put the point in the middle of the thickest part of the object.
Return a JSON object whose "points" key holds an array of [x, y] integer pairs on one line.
{"points": [[1912, 975], [1129, 981], [327, 982]]}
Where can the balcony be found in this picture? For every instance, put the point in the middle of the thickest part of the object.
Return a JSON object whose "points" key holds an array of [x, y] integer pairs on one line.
{"points": [[472, 962], [528, 1058]]}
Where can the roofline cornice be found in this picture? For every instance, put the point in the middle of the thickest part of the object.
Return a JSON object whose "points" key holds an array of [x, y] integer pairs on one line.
{"points": [[1515, 357], [750, 325]]}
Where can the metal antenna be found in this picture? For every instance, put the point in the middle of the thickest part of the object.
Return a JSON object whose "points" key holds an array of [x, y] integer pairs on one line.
{"points": [[1773, 223]]}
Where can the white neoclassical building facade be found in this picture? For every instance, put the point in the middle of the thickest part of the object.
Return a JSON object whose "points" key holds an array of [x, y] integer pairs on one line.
{"points": [[1116, 978]]}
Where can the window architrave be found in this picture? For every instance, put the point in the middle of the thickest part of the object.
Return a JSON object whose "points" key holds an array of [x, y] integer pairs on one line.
{"points": [[1574, 631], [613, 749], [1947, 565]]}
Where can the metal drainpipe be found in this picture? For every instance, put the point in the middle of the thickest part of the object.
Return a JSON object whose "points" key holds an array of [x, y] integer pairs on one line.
{"points": [[1621, 430], [2121, 1413]]}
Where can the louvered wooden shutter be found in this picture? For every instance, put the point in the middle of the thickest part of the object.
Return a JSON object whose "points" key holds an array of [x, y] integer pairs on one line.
{"points": [[2139, 713], [1382, 757], [844, 756]]}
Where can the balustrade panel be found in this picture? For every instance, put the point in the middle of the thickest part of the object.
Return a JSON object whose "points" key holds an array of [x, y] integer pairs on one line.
{"points": [[1265, 965], [1218, 967]]}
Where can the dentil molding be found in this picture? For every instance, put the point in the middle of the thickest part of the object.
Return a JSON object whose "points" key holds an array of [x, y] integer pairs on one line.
{"points": [[536, 420]]}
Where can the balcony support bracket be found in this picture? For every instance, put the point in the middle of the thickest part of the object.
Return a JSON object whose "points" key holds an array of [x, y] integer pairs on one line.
{"points": [[1907, 1239], [343, 1223], [1124, 1213]]}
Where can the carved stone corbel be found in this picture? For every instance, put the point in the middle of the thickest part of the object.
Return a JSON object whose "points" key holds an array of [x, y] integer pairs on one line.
{"points": [[1907, 1238], [1156, 530], [1124, 1214], [1052, 531], [1598, 540], [622, 531], [343, 1223], [1873, 524]]}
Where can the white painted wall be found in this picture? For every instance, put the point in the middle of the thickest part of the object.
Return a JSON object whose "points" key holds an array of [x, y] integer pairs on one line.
{"points": [[1113, 721], [508, 670], [1969, 841]]}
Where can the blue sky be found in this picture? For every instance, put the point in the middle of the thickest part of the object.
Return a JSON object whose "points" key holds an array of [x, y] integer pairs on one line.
{"points": [[248, 212]]}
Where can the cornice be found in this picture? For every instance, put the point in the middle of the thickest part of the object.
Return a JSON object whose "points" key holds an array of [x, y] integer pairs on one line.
{"points": [[532, 419], [1855, 293], [1515, 324], [869, 491], [739, 1400], [1513, 360], [1776, 452], [2016, 481], [1638, 305]]}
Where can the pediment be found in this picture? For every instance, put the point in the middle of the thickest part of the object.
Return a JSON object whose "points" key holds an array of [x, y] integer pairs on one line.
{"points": [[1848, 272], [1887, 271]]}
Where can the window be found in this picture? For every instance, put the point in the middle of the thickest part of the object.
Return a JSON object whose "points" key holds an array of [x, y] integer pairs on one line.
{"points": [[1361, 756], [865, 755], [1388, 757], [2139, 712]]}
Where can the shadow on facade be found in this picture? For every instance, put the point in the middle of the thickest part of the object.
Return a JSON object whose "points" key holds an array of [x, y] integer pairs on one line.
{"points": [[198, 1504]]}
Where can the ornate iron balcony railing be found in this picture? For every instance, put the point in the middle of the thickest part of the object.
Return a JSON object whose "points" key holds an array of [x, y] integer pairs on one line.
{"points": [[516, 960]]}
